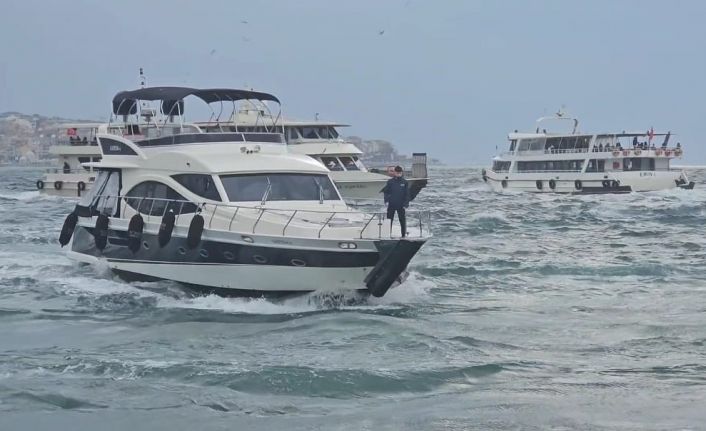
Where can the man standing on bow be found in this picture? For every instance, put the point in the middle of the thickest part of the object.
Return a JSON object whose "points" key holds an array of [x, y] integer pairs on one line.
{"points": [[396, 193]]}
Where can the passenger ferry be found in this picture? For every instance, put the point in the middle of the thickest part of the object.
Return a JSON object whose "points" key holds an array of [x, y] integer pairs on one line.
{"points": [[230, 213], [321, 141], [76, 144], [580, 163]]}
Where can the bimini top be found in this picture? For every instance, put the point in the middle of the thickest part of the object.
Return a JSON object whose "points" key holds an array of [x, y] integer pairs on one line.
{"points": [[125, 102]]}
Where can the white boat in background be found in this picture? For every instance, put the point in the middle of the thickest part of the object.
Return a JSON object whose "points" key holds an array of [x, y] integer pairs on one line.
{"points": [[322, 141], [227, 212], [582, 163], [76, 144]]}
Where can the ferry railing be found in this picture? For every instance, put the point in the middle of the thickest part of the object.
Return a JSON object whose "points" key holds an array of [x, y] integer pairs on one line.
{"points": [[358, 224]]}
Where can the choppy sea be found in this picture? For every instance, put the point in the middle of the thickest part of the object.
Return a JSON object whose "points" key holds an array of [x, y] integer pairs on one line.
{"points": [[525, 311]]}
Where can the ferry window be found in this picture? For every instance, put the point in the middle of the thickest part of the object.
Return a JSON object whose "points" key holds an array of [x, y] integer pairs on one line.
{"points": [[552, 144], [596, 165], [199, 184], [293, 134], [499, 166], [332, 163], [349, 163], [332, 133], [154, 198], [279, 187], [308, 132], [513, 144], [582, 142], [568, 143], [323, 132]]}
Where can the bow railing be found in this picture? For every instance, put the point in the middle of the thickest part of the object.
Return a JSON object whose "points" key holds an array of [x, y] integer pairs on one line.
{"points": [[345, 224]]}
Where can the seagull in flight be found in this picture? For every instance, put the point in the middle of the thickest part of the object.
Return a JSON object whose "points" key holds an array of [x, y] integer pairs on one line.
{"points": [[244, 21], [381, 32], [213, 51]]}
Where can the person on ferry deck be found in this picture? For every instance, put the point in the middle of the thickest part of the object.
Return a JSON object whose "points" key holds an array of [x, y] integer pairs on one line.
{"points": [[396, 194]]}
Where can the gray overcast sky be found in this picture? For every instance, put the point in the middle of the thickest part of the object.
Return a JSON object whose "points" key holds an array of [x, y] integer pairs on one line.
{"points": [[449, 77]]}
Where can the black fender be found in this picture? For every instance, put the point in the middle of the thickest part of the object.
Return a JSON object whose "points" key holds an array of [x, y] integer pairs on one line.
{"points": [[193, 238], [67, 230], [40, 184], [166, 228], [578, 184], [552, 184], [134, 232], [81, 186], [58, 185], [100, 233], [539, 184]]}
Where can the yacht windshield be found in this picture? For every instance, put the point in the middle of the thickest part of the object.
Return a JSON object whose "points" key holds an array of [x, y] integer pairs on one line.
{"points": [[279, 187]]}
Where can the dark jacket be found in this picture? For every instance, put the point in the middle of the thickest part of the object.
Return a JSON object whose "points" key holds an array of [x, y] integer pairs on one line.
{"points": [[396, 193]]}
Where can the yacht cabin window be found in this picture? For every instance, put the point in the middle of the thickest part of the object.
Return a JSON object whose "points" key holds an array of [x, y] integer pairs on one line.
{"points": [[279, 187], [332, 163], [350, 163], [199, 184], [155, 198]]}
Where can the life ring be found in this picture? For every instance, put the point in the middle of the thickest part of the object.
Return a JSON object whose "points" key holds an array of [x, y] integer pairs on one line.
{"points": [[539, 184], [658, 152], [504, 183], [616, 153], [552, 184], [40, 184], [578, 185], [667, 153], [58, 185], [81, 186], [626, 152], [637, 152]]}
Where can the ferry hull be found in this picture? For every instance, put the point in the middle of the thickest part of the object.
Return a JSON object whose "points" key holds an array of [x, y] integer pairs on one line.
{"points": [[590, 183]]}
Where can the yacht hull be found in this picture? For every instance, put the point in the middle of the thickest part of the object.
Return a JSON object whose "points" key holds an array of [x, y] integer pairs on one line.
{"points": [[248, 269]]}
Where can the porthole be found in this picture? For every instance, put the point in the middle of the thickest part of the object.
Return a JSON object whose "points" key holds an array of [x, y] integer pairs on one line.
{"points": [[259, 258], [347, 245], [297, 262], [247, 239], [228, 255], [145, 245], [181, 250], [203, 253]]}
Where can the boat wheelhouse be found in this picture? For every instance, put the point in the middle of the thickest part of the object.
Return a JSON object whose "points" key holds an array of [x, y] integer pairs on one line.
{"points": [[227, 212], [322, 141], [583, 163], [76, 144]]}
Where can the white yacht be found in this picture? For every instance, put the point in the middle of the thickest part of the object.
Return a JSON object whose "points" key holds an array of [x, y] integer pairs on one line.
{"points": [[583, 163], [321, 141], [227, 212], [77, 144]]}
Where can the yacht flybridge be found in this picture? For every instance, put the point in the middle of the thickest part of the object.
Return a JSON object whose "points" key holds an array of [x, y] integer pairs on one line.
{"points": [[582, 163], [226, 212], [321, 141]]}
